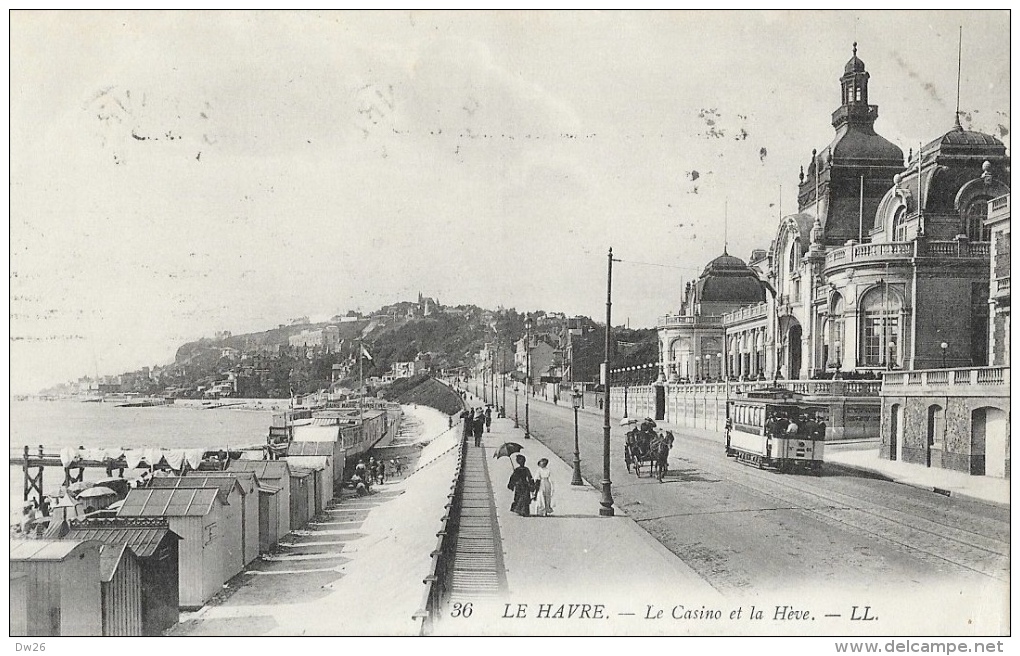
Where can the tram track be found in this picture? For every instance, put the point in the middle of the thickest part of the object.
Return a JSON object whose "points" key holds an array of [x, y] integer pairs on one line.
{"points": [[934, 539], [846, 527]]}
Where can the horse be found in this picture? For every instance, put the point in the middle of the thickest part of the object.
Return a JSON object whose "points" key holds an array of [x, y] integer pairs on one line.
{"points": [[659, 454]]}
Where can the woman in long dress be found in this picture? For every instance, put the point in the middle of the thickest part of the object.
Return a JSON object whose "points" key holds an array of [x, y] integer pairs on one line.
{"points": [[543, 479], [522, 484]]}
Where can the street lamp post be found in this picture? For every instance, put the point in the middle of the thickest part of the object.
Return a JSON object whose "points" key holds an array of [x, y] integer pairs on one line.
{"points": [[502, 407], [944, 346], [607, 485], [527, 344], [575, 398], [516, 425]]}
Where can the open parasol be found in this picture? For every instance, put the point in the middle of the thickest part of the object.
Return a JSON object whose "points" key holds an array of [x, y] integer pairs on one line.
{"points": [[97, 491], [628, 421], [508, 449]]}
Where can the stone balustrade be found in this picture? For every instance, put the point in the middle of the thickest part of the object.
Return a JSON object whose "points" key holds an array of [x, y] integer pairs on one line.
{"points": [[746, 313], [678, 320], [950, 381], [955, 249]]}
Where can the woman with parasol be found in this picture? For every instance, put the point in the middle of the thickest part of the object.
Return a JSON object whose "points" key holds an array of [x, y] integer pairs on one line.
{"points": [[522, 484]]}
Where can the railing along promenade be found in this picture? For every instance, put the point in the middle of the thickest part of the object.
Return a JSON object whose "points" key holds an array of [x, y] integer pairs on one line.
{"points": [[437, 582], [805, 387]]}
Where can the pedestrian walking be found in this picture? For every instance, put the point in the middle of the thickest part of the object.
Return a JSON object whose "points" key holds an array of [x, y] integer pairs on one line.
{"points": [[466, 416], [488, 419], [479, 426], [523, 485], [382, 472], [543, 489]]}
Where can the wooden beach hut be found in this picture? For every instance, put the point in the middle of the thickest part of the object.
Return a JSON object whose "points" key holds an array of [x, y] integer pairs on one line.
{"points": [[269, 517], [197, 516], [156, 547], [333, 452], [302, 497], [232, 495], [63, 596], [120, 578], [321, 478], [18, 590], [271, 474], [250, 508]]}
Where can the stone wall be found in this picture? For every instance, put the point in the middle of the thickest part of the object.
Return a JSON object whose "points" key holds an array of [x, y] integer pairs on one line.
{"points": [[954, 444]]}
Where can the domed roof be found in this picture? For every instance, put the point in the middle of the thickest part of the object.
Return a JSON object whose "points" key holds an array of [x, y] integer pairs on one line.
{"points": [[724, 262], [727, 279], [961, 137], [855, 65]]}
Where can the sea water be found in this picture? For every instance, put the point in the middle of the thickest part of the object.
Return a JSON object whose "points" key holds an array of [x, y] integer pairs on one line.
{"points": [[59, 424]]}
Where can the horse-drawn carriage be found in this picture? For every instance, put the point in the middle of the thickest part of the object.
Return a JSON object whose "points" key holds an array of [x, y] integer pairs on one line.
{"points": [[645, 445]]}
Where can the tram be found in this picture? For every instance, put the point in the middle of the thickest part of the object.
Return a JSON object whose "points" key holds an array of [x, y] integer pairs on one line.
{"points": [[775, 428]]}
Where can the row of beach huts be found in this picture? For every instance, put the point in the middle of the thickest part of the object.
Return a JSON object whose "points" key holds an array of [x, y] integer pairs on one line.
{"points": [[174, 543]]}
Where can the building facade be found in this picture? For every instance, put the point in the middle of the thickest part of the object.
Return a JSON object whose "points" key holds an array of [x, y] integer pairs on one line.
{"points": [[884, 271]]}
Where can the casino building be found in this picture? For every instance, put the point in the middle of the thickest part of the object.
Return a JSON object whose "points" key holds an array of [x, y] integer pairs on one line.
{"points": [[882, 273]]}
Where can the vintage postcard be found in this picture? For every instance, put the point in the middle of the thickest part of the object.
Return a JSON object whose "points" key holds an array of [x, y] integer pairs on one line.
{"points": [[512, 323]]}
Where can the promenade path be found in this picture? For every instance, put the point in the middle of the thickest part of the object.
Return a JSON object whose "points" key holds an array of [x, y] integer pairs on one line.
{"points": [[608, 568], [357, 570]]}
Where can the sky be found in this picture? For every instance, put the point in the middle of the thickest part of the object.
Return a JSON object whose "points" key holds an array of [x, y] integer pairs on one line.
{"points": [[174, 174]]}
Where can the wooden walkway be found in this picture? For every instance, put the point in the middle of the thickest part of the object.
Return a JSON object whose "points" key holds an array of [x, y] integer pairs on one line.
{"points": [[478, 571]]}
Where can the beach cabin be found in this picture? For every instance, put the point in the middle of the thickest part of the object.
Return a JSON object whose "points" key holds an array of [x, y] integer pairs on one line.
{"points": [[156, 548], [232, 528], [302, 497], [270, 474], [321, 478], [120, 578], [19, 603], [250, 521], [197, 516], [63, 596], [269, 517], [333, 452]]}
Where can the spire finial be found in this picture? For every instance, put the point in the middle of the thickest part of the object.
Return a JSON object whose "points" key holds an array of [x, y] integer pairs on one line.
{"points": [[855, 48], [959, 70]]}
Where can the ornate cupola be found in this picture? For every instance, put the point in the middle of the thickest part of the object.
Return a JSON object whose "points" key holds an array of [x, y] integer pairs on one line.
{"points": [[855, 108], [845, 181]]}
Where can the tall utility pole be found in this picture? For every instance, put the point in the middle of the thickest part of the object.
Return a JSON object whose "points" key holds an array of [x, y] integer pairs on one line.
{"points": [[527, 389], [607, 485]]}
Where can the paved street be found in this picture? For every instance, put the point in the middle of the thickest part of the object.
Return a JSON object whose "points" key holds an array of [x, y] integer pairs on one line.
{"points": [[749, 531]]}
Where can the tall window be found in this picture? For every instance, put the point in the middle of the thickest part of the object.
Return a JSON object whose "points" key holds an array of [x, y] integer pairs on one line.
{"points": [[974, 220], [833, 333], [899, 225], [880, 328]]}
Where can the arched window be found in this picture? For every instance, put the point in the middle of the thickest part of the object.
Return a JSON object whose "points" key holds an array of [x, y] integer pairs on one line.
{"points": [[974, 220], [833, 333], [793, 256], [880, 328], [899, 226]]}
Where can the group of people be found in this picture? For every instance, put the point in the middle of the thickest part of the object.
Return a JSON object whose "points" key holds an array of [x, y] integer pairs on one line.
{"points": [[477, 422], [368, 474], [810, 426], [528, 488]]}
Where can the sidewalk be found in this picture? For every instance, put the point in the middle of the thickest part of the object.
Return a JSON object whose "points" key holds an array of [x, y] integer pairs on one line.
{"points": [[574, 557], [864, 456]]}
